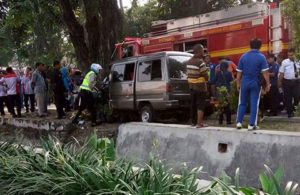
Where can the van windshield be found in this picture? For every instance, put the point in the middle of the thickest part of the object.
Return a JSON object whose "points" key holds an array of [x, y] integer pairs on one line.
{"points": [[177, 67]]}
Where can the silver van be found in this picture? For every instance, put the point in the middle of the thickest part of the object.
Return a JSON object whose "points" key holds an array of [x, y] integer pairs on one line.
{"points": [[153, 85]]}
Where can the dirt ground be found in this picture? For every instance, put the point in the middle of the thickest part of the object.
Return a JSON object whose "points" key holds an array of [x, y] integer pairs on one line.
{"points": [[81, 133]]}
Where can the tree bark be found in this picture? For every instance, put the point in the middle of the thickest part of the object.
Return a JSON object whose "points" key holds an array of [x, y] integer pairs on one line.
{"points": [[93, 42], [76, 32], [111, 28], [92, 27]]}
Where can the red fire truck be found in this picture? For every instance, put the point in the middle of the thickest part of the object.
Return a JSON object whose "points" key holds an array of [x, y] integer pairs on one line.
{"points": [[222, 33]]}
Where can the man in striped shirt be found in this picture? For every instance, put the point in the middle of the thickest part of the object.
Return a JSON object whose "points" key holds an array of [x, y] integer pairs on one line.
{"points": [[197, 78], [10, 81]]}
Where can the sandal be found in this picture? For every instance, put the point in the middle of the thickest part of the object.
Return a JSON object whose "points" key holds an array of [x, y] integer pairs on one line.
{"points": [[201, 126]]}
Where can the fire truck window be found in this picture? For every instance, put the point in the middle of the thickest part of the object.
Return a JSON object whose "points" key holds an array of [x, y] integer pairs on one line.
{"points": [[150, 71], [129, 72], [190, 45], [177, 67], [127, 51], [118, 73]]}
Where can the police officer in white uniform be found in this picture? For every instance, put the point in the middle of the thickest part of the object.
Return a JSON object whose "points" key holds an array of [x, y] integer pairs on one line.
{"points": [[289, 79]]}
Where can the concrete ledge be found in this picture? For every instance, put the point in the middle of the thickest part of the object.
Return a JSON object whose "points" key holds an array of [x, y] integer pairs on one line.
{"points": [[216, 149], [39, 124], [281, 119]]}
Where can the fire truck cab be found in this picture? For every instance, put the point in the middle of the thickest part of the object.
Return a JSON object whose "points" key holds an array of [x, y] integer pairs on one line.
{"points": [[222, 33]]}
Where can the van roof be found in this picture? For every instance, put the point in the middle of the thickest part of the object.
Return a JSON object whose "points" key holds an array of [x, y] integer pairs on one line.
{"points": [[158, 54]]}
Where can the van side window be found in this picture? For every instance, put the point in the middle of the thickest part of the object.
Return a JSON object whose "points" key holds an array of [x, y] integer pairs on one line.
{"points": [[123, 72], [118, 73], [129, 72], [150, 71]]}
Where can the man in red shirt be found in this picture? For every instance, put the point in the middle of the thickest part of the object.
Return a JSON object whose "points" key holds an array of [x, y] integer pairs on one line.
{"points": [[11, 81]]}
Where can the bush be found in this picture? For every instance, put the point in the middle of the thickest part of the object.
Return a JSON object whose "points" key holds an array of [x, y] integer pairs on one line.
{"points": [[90, 169], [93, 169], [234, 97], [224, 100]]}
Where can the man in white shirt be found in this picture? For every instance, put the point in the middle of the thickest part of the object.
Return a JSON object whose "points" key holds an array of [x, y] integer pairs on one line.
{"points": [[10, 81], [289, 80], [28, 91]]}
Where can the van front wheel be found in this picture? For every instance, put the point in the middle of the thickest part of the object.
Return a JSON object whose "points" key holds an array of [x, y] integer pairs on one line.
{"points": [[146, 114]]}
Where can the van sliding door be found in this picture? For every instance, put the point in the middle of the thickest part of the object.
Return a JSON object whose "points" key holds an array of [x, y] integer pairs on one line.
{"points": [[121, 88], [150, 84]]}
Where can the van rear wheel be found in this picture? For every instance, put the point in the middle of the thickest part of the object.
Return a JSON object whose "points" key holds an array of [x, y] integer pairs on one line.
{"points": [[147, 114]]}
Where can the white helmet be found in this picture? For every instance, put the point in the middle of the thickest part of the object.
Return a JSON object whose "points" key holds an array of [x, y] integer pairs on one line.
{"points": [[96, 68]]}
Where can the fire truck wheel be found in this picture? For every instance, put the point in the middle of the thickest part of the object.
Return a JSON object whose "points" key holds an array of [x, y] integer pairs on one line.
{"points": [[147, 114]]}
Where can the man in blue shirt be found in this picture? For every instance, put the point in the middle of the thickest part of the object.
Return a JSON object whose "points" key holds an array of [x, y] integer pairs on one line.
{"points": [[272, 98], [250, 67], [212, 67]]}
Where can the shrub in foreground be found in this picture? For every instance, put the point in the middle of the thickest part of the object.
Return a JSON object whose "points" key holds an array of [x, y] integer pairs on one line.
{"points": [[94, 169]]}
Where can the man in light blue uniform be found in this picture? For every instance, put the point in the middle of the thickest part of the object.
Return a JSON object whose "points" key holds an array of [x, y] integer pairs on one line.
{"points": [[252, 64]]}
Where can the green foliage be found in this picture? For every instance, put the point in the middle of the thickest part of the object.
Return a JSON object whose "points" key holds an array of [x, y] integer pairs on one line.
{"points": [[224, 99], [87, 169], [271, 184], [234, 97], [93, 169], [298, 110], [33, 31], [292, 14]]}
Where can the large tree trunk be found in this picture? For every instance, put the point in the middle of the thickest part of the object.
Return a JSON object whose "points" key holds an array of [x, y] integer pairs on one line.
{"points": [[93, 42], [111, 27]]}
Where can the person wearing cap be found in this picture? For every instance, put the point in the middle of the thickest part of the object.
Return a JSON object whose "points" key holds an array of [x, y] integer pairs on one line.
{"points": [[58, 89], [197, 78], [86, 95]]}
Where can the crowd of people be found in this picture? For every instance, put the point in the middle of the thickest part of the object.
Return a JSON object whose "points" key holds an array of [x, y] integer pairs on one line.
{"points": [[276, 79], [30, 89]]}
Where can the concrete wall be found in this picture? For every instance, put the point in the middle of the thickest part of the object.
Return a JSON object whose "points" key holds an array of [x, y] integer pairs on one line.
{"points": [[39, 124], [207, 147]]}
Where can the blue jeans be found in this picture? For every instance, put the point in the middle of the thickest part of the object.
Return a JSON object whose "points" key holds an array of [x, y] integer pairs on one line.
{"points": [[247, 91]]}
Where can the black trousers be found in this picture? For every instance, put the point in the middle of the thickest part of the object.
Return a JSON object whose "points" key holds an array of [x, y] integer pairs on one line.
{"points": [[3, 101], [197, 103], [227, 112], [86, 102], [291, 94], [59, 103], [271, 100], [31, 98], [14, 101]]}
